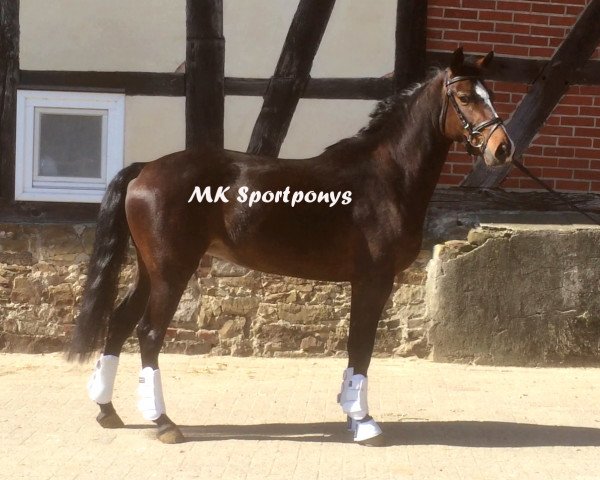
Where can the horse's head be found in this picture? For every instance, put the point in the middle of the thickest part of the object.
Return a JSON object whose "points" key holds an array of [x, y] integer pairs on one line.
{"points": [[468, 114]]}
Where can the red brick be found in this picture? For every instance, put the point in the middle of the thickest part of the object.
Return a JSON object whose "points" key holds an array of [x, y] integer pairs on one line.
{"points": [[529, 40], [546, 140], [479, 4], [513, 28], [476, 25], [513, 6], [587, 153], [557, 173], [541, 161], [531, 18], [442, 23], [587, 174], [551, 130], [500, 97], [442, 45], [587, 132], [531, 184], [541, 52], [575, 11], [433, 12], [557, 32], [548, 8], [595, 187], [559, 151], [461, 168], [595, 164], [590, 111], [577, 121], [573, 163], [496, 37], [597, 143], [535, 150], [589, 90], [450, 179], [447, 3], [563, 21], [511, 87], [553, 120], [572, 185], [461, 35], [570, 99], [447, 168], [575, 141], [495, 15], [566, 110], [460, 13], [553, 42]]}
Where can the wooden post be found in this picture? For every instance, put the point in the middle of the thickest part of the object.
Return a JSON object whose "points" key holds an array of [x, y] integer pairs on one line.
{"points": [[204, 76], [545, 93], [411, 36], [9, 74], [291, 76]]}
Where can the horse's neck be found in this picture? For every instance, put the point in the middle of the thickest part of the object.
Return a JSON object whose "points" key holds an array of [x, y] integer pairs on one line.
{"points": [[420, 150]]}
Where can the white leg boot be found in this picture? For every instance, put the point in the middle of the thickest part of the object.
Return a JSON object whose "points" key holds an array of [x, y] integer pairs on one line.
{"points": [[151, 401], [353, 399], [102, 382]]}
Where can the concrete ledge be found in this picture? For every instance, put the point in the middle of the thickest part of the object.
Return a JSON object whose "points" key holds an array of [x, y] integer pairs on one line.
{"points": [[516, 294]]}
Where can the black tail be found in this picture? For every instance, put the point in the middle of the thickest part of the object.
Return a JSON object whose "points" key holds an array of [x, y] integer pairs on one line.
{"points": [[110, 247]]}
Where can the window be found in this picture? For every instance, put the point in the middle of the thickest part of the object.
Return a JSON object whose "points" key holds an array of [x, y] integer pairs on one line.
{"points": [[69, 145]]}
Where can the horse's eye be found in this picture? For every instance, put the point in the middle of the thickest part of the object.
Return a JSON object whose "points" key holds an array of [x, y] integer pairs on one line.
{"points": [[464, 99]]}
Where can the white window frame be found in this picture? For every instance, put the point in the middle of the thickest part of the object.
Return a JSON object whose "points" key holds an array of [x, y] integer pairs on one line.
{"points": [[31, 187]]}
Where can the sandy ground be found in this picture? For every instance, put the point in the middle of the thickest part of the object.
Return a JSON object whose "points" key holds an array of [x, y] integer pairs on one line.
{"points": [[250, 418]]}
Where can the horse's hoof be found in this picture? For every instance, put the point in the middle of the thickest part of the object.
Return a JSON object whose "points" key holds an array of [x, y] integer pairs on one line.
{"points": [[170, 434], [109, 420], [378, 441], [368, 433]]}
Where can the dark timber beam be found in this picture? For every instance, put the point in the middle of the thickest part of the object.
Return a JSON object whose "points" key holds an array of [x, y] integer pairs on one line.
{"points": [[204, 75], [291, 76], [411, 36], [9, 73], [545, 93], [519, 70]]}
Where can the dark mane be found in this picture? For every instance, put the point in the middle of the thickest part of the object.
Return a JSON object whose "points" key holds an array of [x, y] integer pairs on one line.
{"points": [[389, 114]]}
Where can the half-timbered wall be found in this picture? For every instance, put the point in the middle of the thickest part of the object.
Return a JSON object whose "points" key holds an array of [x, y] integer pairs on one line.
{"points": [[112, 35], [566, 153]]}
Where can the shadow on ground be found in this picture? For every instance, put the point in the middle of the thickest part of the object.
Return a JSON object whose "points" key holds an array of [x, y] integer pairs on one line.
{"points": [[457, 433]]}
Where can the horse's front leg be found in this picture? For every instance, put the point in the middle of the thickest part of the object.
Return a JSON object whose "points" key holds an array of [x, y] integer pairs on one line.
{"points": [[369, 295]]}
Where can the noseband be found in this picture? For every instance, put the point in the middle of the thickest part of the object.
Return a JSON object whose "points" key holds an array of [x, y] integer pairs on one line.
{"points": [[475, 141]]}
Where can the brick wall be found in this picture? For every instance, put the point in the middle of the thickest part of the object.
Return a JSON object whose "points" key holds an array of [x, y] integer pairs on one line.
{"points": [[566, 152]]}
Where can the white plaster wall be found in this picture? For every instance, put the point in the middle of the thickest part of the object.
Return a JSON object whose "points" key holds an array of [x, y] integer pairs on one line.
{"points": [[154, 126], [316, 123], [106, 35], [112, 35]]}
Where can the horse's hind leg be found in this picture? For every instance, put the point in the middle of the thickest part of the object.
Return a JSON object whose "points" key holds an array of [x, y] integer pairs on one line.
{"points": [[369, 295], [120, 326], [165, 293]]}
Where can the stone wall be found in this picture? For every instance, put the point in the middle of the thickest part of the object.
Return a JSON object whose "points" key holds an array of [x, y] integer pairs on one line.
{"points": [[225, 309], [514, 294]]}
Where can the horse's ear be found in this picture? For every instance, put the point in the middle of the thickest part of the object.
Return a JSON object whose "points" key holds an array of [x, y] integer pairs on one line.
{"points": [[483, 62], [458, 59]]}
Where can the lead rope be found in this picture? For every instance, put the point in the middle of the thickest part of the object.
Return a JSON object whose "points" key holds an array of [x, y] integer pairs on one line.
{"points": [[558, 195]]}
